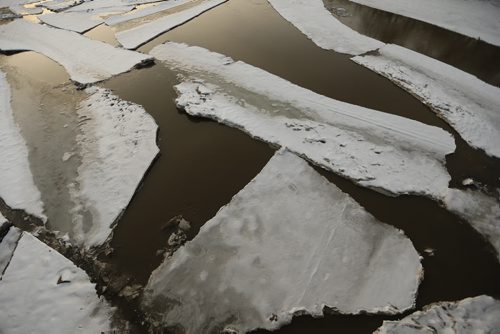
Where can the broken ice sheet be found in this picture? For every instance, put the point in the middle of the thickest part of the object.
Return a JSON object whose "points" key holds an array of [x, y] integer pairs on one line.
{"points": [[21, 10], [166, 5], [43, 292], [87, 61], [289, 243], [472, 315], [59, 5], [316, 22], [103, 4], [389, 153]]}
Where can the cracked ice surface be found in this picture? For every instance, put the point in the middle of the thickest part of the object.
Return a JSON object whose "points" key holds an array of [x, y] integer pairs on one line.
{"points": [[43, 292], [117, 144], [117, 19], [289, 243], [472, 315], [389, 153], [87, 61], [17, 188], [468, 104], [318, 24], [135, 37], [473, 18]]}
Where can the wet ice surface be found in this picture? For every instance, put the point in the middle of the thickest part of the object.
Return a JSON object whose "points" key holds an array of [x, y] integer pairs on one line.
{"points": [[472, 315], [238, 272], [117, 19], [43, 292]]}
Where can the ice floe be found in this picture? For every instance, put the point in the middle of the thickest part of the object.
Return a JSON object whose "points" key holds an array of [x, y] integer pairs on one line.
{"points": [[389, 153], [468, 104], [43, 292], [102, 4], [8, 3], [473, 18], [60, 5], [87, 61], [21, 10], [316, 22], [117, 19], [472, 315], [135, 37], [289, 243], [17, 188], [117, 144]]}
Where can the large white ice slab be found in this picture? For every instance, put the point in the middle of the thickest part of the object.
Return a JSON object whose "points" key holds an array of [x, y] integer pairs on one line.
{"points": [[101, 4], [473, 18], [21, 10], [469, 105], [17, 187], [389, 153], [60, 5], [43, 292], [472, 315], [87, 61], [133, 38], [289, 242], [318, 24], [117, 19], [117, 144]]}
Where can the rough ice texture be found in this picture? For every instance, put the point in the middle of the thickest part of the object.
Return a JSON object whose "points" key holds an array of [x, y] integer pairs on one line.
{"points": [[8, 245], [21, 10], [468, 104], [117, 19], [43, 292], [100, 4], [17, 187], [8, 3], [389, 153], [60, 5], [87, 61], [472, 315], [133, 38], [473, 18], [289, 243], [318, 24], [117, 144]]}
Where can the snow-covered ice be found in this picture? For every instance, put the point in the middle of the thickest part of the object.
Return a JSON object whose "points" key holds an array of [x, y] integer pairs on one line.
{"points": [[469, 105], [389, 153], [473, 18], [317, 23], [472, 315], [289, 243], [43, 292], [135, 37], [117, 19], [117, 144], [21, 10], [87, 61], [17, 188]]}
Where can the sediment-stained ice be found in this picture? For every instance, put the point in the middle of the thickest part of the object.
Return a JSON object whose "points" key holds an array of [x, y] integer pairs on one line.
{"points": [[135, 37], [468, 104], [473, 18], [43, 292], [117, 19], [117, 144], [471, 315], [87, 61], [389, 153], [318, 24], [17, 188], [289, 243]]}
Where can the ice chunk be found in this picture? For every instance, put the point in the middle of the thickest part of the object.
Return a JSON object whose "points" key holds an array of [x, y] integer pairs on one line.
{"points": [[102, 4], [289, 242], [471, 315], [473, 18], [35, 300], [133, 38], [17, 188], [87, 61], [8, 3], [21, 10], [117, 19], [389, 153], [8, 244], [468, 104], [117, 144], [316, 22], [60, 5]]}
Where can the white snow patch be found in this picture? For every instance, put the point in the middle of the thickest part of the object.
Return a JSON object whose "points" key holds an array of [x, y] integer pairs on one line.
{"points": [[473, 18], [472, 315], [237, 273], [21, 10], [389, 153], [117, 19], [317, 23], [17, 187], [133, 38], [34, 300], [87, 61], [468, 104], [117, 143]]}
